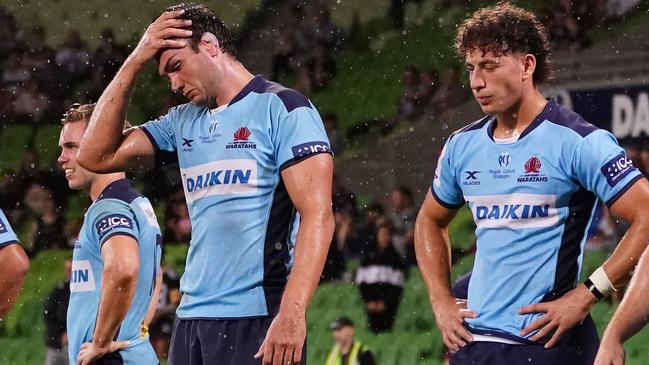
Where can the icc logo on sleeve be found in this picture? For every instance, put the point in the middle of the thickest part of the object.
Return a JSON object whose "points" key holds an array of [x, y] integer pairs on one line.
{"points": [[3, 227], [111, 222]]}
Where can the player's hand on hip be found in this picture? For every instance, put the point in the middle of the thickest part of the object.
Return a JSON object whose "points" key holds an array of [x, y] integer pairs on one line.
{"points": [[611, 352], [560, 315], [449, 316], [167, 31], [284, 340], [90, 352]]}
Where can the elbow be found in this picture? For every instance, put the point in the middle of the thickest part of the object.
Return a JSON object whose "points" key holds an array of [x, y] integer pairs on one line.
{"points": [[18, 265], [123, 275], [86, 160]]}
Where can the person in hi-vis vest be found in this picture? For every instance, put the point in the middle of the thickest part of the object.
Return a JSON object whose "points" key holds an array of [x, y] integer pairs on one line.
{"points": [[347, 350]]}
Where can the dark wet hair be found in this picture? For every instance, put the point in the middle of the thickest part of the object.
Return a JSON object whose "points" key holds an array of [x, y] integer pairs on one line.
{"points": [[204, 20], [505, 28]]}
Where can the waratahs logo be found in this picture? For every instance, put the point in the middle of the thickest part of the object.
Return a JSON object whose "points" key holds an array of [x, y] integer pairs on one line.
{"points": [[241, 139], [532, 165], [532, 171]]}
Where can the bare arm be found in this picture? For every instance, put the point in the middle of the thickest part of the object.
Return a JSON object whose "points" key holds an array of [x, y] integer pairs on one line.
{"points": [[634, 207], [104, 147], [155, 298], [14, 264], [309, 186], [118, 283], [433, 251], [119, 279], [433, 248]]}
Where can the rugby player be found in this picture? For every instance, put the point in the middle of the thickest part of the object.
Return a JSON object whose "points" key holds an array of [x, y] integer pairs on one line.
{"points": [[531, 172], [115, 262], [14, 264], [256, 169]]}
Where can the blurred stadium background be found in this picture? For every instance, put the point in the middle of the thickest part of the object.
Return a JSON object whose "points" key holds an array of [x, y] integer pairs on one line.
{"points": [[383, 75]]}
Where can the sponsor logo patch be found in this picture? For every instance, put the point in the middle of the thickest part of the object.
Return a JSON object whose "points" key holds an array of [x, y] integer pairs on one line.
{"points": [[112, 222], [514, 210], [617, 168], [81, 276], [504, 159], [471, 178], [225, 177], [309, 148], [3, 226]]}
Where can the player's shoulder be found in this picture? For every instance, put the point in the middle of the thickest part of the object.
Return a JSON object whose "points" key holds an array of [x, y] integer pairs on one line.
{"points": [[119, 190], [290, 99], [567, 120], [472, 129]]}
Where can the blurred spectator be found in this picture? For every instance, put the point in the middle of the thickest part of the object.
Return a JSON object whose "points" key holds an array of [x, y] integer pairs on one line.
{"points": [[397, 11], [347, 349], [366, 231], [54, 314], [335, 263], [178, 228], [403, 216], [162, 323], [411, 97], [336, 140], [380, 279], [108, 56], [47, 230], [31, 103], [73, 56], [321, 67], [8, 30], [343, 200], [450, 92], [601, 232]]}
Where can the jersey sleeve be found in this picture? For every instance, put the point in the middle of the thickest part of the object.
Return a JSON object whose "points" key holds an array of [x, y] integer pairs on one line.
{"points": [[602, 166], [7, 234], [111, 218], [161, 131], [445, 188], [298, 131]]}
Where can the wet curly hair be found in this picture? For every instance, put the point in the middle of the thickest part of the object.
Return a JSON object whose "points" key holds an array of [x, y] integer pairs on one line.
{"points": [[204, 20], [505, 28]]}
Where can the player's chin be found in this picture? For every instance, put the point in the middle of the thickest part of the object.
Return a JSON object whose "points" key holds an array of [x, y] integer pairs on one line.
{"points": [[75, 184]]}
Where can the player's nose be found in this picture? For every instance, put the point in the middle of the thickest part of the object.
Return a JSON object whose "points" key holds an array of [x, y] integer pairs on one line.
{"points": [[476, 80], [176, 83]]}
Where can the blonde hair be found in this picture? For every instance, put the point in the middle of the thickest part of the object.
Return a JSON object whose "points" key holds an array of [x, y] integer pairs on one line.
{"points": [[82, 112]]}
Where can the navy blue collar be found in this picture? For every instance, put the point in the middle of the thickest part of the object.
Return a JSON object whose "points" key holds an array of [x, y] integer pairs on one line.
{"points": [[254, 85], [122, 189], [545, 114]]}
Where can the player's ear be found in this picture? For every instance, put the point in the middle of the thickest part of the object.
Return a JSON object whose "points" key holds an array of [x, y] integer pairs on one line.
{"points": [[211, 44], [529, 65]]}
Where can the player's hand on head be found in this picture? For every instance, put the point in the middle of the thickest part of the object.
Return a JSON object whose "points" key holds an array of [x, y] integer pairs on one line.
{"points": [[167, 31], [90, 352], [284, 340], [610, 353], [449, 316], [560, 315]]}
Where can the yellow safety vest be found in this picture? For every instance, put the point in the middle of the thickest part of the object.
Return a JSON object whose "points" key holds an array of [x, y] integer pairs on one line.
{"points": [[336, 358]]}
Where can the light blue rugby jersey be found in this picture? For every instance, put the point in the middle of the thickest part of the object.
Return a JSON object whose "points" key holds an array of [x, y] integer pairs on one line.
{"points": [[243, 221], [119, 210], [7, 235], [532, 201]]}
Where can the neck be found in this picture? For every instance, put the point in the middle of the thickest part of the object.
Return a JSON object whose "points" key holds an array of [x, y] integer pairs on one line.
{"points": [[234, 77], [513, 121], [101, 182]]}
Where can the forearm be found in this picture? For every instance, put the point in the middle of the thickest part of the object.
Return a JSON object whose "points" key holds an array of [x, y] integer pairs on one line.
{"points": [[620, 265], [313, 240], [433, 251], [117, 291], [633, 313], [14, 265], [103, 136]]}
